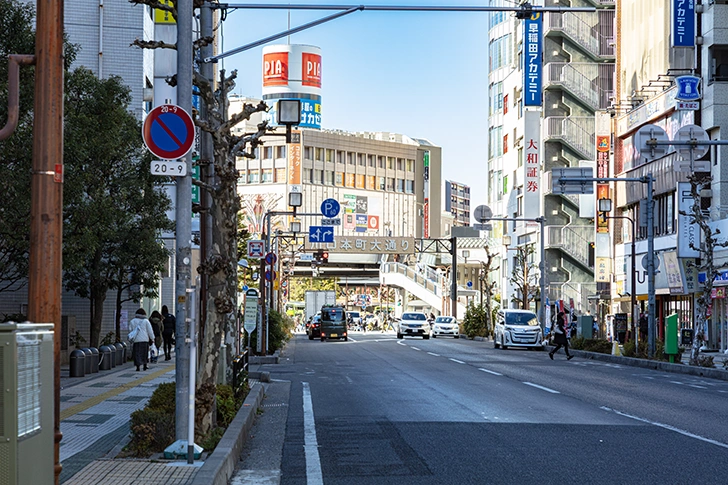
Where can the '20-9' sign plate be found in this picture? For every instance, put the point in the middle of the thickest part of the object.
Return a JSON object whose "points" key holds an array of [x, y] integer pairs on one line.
{"points": [[170, 169]]}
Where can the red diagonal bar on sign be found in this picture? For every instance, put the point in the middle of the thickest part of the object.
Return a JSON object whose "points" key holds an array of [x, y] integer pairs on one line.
{"points": [[169, 132]]}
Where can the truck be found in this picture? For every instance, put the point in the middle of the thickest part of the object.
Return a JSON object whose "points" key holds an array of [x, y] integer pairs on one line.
{"points": [[315, 299]]}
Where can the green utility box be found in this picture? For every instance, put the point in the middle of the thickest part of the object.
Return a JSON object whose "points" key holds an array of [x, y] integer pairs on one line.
{"points": [[586, 326], [671, 341]]}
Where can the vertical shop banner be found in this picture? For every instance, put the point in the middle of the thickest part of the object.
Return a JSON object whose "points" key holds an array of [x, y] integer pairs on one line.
{"points": [[426, 197], [532, 165], [533, 69], [426, 218], [683, 23], [602, 241], [687, 232], [294, 166]]}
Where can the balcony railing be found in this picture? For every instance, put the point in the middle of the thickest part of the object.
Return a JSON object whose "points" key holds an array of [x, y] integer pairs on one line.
{"points": [[573, 26], [573, 240], [576, 131], [581, 78]]}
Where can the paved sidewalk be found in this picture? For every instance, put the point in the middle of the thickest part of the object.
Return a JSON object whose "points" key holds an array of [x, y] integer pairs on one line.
{"points": [[95, 413]]}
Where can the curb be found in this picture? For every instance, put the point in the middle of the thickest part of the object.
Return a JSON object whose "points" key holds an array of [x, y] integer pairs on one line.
{"points": [[220, 465], [654, 364]]}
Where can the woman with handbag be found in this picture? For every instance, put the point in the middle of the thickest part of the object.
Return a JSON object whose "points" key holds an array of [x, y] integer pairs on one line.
{"points": [[560, 337], [141, 337]]}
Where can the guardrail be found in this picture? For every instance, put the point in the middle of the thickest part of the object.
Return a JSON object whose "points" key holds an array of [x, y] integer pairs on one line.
{"points": [[240, 373]]}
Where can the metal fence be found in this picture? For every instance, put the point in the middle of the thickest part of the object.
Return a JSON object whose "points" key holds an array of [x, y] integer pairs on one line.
{"points": [[240, 373]]}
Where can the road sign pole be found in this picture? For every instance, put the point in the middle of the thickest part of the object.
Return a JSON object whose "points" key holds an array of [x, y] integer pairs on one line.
{"points": [[651, 328]]}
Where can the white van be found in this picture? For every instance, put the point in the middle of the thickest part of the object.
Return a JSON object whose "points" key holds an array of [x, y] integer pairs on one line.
{"points": [[517, 328]]}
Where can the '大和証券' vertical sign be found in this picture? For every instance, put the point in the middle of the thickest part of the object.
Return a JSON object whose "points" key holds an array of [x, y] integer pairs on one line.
{"points": [[532, 164], [532, 69]]}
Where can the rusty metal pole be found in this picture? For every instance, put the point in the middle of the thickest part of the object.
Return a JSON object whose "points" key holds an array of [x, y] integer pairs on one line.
{"points": [[46, 219]]}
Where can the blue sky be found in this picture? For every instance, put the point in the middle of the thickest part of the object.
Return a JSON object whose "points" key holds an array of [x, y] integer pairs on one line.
{"points": [[423, 74]]}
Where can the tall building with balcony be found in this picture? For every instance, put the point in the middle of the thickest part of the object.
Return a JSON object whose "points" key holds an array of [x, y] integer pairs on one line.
{"points": [[577, 71], [457, 202]]}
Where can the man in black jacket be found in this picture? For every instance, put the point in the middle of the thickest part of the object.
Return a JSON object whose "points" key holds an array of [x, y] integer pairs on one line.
{"points": [[560, 337], [169, 324]]}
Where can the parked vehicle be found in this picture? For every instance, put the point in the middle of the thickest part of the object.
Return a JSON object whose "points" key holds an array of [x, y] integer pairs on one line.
{"points": [[354, 319], [413, 324], [315, 299], [333, 323], [313, 329], [445, 326], [517, 328]]}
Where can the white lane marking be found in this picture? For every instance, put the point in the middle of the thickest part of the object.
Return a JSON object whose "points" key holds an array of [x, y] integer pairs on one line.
{"points": [[668, 427], [697, 386], [676, 382], [415, 348], [310, 444], [401, 342], [349, 379], [458, 361], [432, 353], [542, 388], [491, 372]]}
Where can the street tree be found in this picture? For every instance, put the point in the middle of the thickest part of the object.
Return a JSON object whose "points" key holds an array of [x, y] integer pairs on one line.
{"points": [[524, 277], [220, 264], [18, 17], [114, 210], [487, 287], [699, 181]]}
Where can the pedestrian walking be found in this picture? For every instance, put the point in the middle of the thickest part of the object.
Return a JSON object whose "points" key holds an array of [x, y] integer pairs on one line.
{"points": [[142, 336], [168, 323], [560, 337], [156, 320]]}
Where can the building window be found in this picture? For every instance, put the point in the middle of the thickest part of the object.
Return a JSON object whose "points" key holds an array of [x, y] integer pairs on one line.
{"points": [[719, 56], [410, 165], [390, 163], [243, 176], [267, 153], [400, 185], [329, 174], [360, 181], [307, 175], [281, 151], [350, 158], [349, 180], [339, 180], [318, 177], [319, 154], [390, 184], [308, 153], [329, 155], [400, 164], [340, 157], [380, 162], [382, 183], [361, 160], [371, 182], [409, 187], [520, 156], [372, 160], [253, 176], [267, 176], [281, 175]]}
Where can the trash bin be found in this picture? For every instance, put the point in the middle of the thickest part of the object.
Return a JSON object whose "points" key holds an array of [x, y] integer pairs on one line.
{"points": [[127, 352], [87, 360], [94, 360], [78, 363], [119, 353], [112, 360], [105, 360]]}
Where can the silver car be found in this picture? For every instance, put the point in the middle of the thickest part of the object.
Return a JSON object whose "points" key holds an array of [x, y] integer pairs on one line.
{"points": [[445, 326], [413, 324], [517, 328]]}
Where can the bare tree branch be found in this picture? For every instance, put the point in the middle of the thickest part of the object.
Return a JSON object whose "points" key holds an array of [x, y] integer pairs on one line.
{"points": [[153, 44]]}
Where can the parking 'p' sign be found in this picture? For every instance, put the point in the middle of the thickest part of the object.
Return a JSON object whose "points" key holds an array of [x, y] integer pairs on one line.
{"points": [[169, 132]]}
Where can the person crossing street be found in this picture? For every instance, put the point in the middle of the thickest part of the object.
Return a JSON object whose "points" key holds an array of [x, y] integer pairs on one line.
{"points": [[560, 338]]}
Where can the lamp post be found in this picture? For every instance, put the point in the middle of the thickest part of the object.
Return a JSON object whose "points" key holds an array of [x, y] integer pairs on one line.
{"points": [[605, 206]]}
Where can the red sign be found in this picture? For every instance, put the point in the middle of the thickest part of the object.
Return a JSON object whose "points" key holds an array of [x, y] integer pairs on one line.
{"points": [[311, 69], [169, 132], [373, 223], [275, 69], [426, 212]]}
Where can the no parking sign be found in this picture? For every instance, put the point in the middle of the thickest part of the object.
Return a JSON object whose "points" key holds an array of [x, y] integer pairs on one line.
{"points": [[169, 132]]}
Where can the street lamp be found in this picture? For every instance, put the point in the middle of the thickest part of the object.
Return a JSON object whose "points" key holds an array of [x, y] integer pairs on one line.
{"points": [[289, 115]]}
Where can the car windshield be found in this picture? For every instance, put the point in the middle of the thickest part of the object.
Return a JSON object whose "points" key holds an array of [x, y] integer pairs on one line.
{"points": [[521, 318], [414, 316], [443, 320], [332, 315]]}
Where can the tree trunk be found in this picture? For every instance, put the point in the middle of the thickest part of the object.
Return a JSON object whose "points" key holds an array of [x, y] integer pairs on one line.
{"points": [[117, 316], [98, 296]]}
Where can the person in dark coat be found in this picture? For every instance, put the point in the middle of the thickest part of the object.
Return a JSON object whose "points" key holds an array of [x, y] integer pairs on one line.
{"points": [[168, 323], [560, 337], [156, 320]]}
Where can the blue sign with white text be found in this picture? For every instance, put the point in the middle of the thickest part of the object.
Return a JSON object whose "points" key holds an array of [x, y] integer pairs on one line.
{"points": [[687, 88], [310, 112], [533, 68], [330, 208], [683, 23], [320, 234]]}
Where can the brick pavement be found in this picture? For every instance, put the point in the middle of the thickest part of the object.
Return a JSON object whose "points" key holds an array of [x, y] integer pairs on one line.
{"points": [[95, 413]]}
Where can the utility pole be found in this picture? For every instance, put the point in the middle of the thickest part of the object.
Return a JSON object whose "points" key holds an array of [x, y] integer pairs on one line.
{"points": [[46, 210], [183, 213]]}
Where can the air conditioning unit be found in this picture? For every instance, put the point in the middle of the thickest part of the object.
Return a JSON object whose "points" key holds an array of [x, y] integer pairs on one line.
{"points": [[26, 403]]}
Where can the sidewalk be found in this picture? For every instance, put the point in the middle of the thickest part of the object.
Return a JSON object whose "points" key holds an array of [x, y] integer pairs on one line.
{"points": [[95, 413]]}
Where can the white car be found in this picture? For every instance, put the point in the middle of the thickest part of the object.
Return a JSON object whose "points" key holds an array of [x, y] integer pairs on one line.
{"points": [[445, 326], [517, 328], [413, 324]]}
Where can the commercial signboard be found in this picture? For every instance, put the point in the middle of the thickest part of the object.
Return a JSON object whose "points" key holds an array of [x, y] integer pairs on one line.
{"points": [[294, 166], [687, 232], [683, 23], [532, 164], [365, 245], [533, 68]]}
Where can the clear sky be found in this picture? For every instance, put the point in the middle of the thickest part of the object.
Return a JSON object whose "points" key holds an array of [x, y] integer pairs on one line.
{"points": [[422, 74]]}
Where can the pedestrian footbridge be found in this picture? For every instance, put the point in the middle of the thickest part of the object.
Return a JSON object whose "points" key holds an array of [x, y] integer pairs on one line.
{"points": [[430, 287]]}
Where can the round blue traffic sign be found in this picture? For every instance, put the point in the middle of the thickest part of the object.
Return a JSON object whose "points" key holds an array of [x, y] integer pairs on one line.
{"points": [[330, 208], [169, 132], [271, 258]]}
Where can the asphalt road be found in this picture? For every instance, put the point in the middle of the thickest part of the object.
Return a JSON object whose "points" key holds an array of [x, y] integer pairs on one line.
{"points": [[377, 410]]}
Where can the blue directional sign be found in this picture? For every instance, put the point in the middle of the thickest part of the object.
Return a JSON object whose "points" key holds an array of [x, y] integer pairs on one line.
{"points": [[320, 234], [330, 208]]}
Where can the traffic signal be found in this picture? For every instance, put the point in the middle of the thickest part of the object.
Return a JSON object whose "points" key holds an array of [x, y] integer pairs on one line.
{"points": [[324, 256]]}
